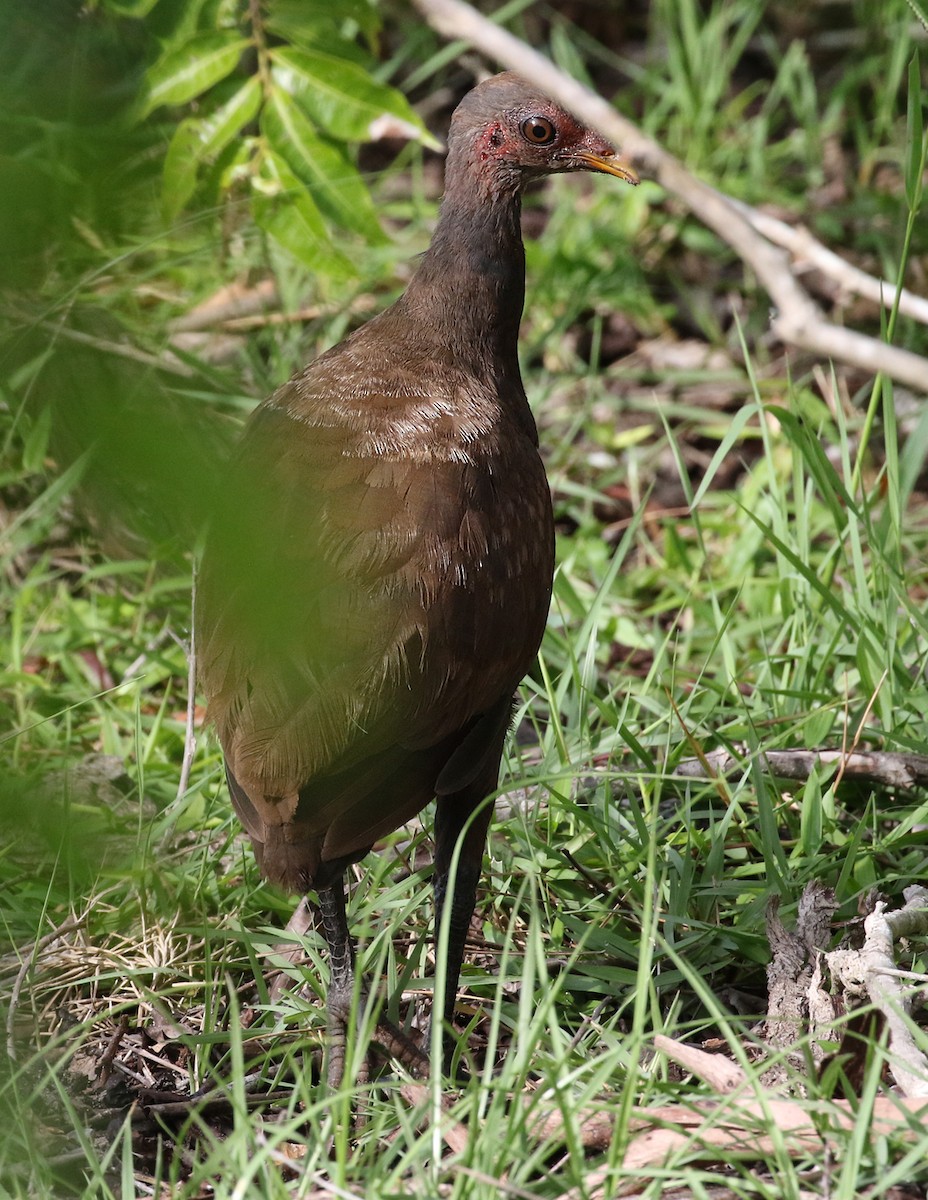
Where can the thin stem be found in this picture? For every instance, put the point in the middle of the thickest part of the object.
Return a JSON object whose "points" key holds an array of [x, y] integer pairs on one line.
{"points": [[264, 58]]}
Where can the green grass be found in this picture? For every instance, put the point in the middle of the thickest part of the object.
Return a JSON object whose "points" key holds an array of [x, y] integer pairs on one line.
{"points": [[741, 563]]}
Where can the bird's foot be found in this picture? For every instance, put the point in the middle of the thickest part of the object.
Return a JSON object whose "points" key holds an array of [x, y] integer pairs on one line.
{"points": [[342, 1013]]}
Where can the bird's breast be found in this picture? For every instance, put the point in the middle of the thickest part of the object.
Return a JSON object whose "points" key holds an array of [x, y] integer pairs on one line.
{"points": [[436, 516]]}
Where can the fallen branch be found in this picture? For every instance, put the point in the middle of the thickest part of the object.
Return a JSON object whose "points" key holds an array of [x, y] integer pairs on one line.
{"points": [[807, 252], [453, 1133], [800, 1014], [739, 1124], [871, 971], [737, 1128], [721, 1074], [233, 302], [797, 320], [884, 767], [212, 1104]]}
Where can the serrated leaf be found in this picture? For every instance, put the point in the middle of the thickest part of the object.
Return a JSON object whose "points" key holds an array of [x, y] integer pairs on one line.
{"points": [[339, 96], [186, 71], [326, 170], [285, 210]]}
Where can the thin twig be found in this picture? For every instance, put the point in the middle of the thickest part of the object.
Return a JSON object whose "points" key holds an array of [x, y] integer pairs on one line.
{"points": [[137, 663], [157, 362], [219, 1103], [109, 1054]]}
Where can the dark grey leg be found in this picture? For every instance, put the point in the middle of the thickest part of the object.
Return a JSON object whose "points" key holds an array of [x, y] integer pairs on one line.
{"points": [[340, 995], [340, 992], [451, 817]]}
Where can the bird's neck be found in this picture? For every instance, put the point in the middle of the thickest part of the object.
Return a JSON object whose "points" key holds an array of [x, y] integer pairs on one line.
{"points": [[470, 284]]}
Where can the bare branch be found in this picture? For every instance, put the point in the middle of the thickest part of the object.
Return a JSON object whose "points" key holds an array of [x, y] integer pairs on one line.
{"points": [[808, 252], [719, 1072], [871, 971], [884, 767]]}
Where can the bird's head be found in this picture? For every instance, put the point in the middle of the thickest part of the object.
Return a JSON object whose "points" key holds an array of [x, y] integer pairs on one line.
{"points": [[509, 127]]}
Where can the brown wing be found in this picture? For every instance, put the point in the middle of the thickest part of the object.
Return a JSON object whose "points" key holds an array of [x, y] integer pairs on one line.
{"points": [[379, 583]]}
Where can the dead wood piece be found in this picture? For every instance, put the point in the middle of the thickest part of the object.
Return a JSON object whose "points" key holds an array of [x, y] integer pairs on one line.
{"points": [[883, 767], [221, 1102], [871, 971], [453, 1133], [234, 301], [719, 1072], [791, 970], [807, 252], [595, 1127], [109, 1054], [740, 1126]]}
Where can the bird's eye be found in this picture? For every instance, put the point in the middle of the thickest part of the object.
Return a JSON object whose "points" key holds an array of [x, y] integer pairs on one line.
{"points": [[538, 130]]}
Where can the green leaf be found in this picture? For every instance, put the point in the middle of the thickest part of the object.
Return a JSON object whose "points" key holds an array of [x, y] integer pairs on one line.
{"points": [[339, 96], [36, 443], [334, 182], [301, 24], [810, 822], [915, 138], [285, 210], [181, 163], [196, 140], [231, 118], [189, 70], [738, 422], [233, 164], [137, 9], [830, 485]]}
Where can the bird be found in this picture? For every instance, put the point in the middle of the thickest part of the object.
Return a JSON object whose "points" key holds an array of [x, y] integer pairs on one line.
{"points": [[377, 577]]}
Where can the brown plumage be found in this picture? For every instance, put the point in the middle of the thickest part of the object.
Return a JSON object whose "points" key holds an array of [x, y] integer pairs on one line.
{"points": [[379, 580]]}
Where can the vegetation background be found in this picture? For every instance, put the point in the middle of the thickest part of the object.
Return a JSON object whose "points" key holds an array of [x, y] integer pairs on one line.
{"points": [[196, 198]]}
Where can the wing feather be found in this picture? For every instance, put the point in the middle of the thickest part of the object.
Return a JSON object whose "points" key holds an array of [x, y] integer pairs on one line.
{"points": [[370, 588]]}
